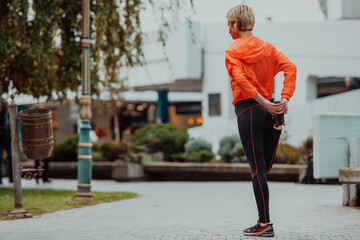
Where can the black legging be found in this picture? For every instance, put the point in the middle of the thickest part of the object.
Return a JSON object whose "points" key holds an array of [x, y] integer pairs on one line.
{"points": [[260, 141]]}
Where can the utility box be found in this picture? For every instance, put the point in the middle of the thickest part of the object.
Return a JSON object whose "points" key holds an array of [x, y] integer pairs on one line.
{"points": [[333, 134]]}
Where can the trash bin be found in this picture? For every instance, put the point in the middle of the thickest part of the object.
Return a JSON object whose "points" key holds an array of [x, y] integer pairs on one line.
{"points": [[37, 133]]}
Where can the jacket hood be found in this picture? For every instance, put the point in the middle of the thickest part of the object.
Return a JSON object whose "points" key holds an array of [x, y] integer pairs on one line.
{"points": [[248, 49]]}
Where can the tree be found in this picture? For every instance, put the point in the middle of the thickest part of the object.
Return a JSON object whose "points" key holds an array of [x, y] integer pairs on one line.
{"points": [[40, 51]]}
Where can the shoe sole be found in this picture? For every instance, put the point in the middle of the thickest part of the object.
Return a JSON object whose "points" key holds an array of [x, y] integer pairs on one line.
{"points": [[261, 235]]}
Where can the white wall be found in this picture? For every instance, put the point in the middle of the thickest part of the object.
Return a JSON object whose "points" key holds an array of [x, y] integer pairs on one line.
{"points": [[216, 10], [277, 10], [343, 9], [215, 40], [183, 51]]}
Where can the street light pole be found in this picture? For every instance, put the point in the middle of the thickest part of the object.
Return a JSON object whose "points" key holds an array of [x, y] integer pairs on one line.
{"points": [[19, 211], [84, 155]]}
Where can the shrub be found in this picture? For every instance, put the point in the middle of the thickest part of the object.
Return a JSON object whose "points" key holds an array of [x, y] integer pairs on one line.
{"points": [[162, 137], [111, 150], [178, 157], [96, 156], [123, 147], [231, 149], [306, 150], [67, 150], [95, 147], [308, 144], [201, 156], [238, 154], [287, 154], [196, 145]]}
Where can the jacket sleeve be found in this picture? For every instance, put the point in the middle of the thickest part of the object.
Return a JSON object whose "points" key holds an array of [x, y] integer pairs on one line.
{"points": [[239, 79], [282, 63]]}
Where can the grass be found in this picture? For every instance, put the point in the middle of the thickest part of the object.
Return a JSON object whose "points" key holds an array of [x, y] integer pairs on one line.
{"points": [[39, 201]]}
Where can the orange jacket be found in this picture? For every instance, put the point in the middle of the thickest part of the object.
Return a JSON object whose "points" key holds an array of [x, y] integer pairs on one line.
{"points": [[252, 65]]}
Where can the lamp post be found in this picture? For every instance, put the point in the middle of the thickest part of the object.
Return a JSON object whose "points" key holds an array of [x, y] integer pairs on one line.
{"points": [[84, 155], [19, 211], [162, 111]]}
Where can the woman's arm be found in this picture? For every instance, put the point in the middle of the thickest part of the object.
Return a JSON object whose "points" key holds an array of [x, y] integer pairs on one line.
{"points": [[282, 63]]}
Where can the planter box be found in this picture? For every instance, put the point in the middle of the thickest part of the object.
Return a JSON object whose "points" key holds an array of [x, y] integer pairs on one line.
{"points": [[165, 171], [152, 157], [172, 171], [122, 171]]}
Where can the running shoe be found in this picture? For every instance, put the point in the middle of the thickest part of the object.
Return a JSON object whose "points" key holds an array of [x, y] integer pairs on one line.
{"points": [[259, 231]]}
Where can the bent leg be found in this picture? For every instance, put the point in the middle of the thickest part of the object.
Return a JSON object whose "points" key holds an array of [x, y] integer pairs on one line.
{"points": [[271, 141]]}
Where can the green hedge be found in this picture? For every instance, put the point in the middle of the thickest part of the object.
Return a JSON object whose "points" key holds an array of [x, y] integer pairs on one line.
{"points": [[201, 156], [67, 150], [111, 150], [162, 137]]}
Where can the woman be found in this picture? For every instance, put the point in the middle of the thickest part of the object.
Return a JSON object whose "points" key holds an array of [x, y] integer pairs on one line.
{"points": [[252, 65]]}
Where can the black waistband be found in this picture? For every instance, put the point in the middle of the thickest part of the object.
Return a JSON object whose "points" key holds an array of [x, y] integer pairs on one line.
{"points": [[245, 104]]}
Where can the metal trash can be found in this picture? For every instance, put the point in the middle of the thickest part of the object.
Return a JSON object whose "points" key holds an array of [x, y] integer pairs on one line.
{"points": [[37, 133]]}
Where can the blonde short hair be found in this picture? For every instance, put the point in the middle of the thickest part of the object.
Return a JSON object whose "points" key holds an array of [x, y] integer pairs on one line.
{"points": [[244, 15]]}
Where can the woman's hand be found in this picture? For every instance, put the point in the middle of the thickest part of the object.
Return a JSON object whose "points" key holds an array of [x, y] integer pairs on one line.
{"points": [[285, 102], [273, 108]]}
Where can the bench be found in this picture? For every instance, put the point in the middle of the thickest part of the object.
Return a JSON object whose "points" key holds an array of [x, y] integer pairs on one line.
{"points": [[350, 177]]}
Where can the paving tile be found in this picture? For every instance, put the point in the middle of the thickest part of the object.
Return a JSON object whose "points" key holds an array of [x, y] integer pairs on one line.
{"points": [[193, 211]]}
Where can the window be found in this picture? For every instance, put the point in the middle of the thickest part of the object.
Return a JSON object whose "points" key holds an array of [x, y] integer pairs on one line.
{"points": [[214, 104], [327, 86], [188, 108]]}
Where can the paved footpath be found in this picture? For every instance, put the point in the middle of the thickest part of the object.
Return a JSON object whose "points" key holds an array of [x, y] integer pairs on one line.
{"points": [[192, 210]]}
